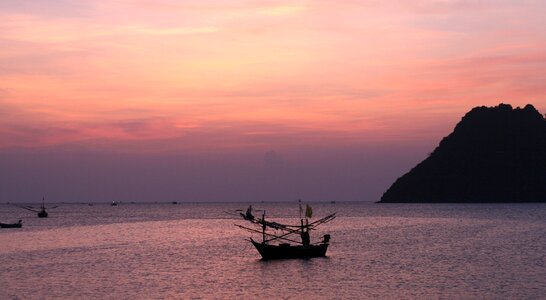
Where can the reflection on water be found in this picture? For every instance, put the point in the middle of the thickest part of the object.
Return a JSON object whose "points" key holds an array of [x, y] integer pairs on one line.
{"points": [[493, 251]]}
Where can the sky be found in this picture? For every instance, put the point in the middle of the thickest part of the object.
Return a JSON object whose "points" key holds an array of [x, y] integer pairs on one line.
{"points": [[198, 100]]}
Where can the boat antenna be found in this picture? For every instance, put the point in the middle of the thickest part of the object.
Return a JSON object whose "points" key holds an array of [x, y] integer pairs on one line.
{"points": [[263, 227], [301, 209]]}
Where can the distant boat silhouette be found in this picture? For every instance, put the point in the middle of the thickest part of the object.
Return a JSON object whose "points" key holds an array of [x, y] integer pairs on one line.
{"points": [[114, 203], [12, 225], [42, 213]]}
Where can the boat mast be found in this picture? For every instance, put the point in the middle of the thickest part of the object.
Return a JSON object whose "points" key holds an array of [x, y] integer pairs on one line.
{"points": [[304, 235], [263, 227]]}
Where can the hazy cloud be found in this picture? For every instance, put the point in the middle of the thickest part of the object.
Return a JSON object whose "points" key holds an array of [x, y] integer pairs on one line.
{"points": [[273, 159]]}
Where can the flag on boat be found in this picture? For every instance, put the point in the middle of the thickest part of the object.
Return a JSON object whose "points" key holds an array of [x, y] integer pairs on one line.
{"points": [[308, 211]]}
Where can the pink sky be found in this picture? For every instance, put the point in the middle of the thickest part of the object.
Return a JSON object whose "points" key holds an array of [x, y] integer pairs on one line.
{"points": [[165, 77]]}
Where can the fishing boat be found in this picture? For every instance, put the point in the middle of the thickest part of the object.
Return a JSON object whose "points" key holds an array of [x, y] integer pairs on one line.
{"points": [[12, 225], [283, 243], [41, 211]]}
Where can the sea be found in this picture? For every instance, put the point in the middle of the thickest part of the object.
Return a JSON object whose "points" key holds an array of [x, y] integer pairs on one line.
{"points": [[195, 251]]}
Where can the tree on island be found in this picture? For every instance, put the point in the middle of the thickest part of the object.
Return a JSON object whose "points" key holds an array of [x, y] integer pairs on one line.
{"points": [[495, 154]]}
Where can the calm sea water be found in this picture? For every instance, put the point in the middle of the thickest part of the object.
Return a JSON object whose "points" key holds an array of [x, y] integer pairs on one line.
{"points": [[387, 251]]}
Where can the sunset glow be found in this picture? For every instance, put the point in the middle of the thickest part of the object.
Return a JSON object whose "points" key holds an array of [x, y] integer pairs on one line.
{"points": [[237, 76], [74, 72]]}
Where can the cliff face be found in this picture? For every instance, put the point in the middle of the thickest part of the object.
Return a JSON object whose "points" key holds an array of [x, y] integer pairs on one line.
{"points": [[495, 154]]}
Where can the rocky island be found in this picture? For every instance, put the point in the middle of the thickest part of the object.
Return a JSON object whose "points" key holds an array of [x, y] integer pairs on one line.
{"points": [[495, 154]]}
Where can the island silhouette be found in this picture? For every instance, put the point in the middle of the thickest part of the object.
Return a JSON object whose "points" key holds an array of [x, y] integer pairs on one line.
{"points": [[494, 154]]}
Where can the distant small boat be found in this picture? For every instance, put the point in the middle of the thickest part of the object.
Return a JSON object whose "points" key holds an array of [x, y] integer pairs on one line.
{"points": [[12, 225], [42, 213], [174, 202], [114, 203]]}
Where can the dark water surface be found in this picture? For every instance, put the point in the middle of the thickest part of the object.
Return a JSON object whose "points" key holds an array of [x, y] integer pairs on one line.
{"points": [[387, 251]]}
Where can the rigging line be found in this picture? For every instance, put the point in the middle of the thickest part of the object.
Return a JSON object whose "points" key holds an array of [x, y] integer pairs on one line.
{"points": [[268, 234], [285, 226]]}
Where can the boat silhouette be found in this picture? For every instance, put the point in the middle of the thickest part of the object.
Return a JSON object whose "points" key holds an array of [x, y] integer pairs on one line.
{"points": [[41, 211], [289, 246], [12, 225]]}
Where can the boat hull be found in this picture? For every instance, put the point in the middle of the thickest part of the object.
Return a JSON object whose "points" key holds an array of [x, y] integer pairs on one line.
{"points": [[14, 225], [286, 251]]}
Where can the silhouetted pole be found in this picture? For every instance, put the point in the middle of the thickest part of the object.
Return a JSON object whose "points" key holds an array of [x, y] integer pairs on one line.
{"points": [[263, 227]]}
